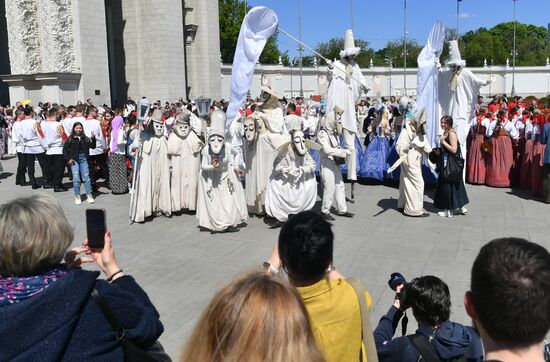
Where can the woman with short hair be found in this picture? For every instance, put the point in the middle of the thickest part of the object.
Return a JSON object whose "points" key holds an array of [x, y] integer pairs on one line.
{"points": [[47, 310], [256, 317]]}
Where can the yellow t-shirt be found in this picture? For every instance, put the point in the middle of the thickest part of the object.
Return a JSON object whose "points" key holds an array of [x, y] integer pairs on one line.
{"points": [[335, 317]]}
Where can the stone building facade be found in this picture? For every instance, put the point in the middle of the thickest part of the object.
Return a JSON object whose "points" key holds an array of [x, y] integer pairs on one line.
{"points": [[108, 50]]}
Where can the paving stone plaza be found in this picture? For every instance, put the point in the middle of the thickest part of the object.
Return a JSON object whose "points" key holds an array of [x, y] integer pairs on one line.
{"points": [[181, 268]]}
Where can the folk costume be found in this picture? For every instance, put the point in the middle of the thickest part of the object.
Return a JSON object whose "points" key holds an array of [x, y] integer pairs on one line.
{"points": [[118, 169], [476, 161], [332, 156], [250, 146], [412, 146], [34, 148], [292, 187], [344, 92], [374, 163], [55, 137], [184, 148], [151, 195], [221, 204], [501, 161]]}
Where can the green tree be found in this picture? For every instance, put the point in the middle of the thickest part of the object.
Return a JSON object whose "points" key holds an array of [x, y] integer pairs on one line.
{"points": [[231, 15], [394, 50]]}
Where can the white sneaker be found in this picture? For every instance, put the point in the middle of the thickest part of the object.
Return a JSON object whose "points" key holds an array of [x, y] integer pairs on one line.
{"points": [[450, 213], [442, 213], [90, 199], [77, 200], [462, 211]]}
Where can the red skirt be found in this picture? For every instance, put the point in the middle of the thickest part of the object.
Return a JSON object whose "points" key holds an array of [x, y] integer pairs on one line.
{"points": [[525, 168], [500, 162], [536, 168], [475, 166], [519, 151]]}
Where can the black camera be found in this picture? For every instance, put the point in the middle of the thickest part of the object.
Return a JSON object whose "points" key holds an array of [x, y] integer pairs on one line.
{"points": [[397, 279]]}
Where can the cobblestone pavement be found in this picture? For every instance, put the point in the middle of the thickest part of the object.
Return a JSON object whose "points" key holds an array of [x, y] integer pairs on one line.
{"points": [[181, 268]]}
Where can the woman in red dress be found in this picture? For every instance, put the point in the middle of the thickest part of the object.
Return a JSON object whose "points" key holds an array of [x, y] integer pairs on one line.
{"points": [[527, 157], [475, 164], [519, 148], [538, 153], [499, 164]]}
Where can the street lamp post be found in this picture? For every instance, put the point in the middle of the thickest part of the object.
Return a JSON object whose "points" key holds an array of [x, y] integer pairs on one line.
{"points": [[457, 16], [514, 54], [405, 46], [300, 48], [291, 82], [389, 61]]}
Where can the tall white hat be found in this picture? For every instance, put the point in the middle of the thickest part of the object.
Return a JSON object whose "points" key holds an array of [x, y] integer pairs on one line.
{"points": [[349, 45], [217, 123], [454, 55], [157, 116]]}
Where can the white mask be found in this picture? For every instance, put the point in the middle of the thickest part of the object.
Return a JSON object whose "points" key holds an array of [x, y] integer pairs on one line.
{"points": [[298, 142], [250, 130], [216, 143], [182, 129], [158, 128]]}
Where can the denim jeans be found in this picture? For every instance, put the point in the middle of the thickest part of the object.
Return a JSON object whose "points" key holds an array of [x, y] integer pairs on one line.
{"points": [[80, 169]]}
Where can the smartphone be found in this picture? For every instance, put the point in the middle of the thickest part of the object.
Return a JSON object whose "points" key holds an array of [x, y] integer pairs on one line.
{"points": [[96, 227]]}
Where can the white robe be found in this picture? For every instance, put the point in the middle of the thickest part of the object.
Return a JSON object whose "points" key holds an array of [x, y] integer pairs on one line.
{"points": [[152, 191], [460, 104], [253, 197], [220, 202], [345, 93], [185, 159], [411, 182], [287, 194]]}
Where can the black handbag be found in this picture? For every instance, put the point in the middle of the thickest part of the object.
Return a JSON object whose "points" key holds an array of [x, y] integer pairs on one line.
{"points": [[455, 165], [131, 351]]}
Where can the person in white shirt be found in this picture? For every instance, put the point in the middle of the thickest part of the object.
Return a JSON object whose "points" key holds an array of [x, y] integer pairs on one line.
{"points": [[92, 129], [55, 138], [501, 161], [21, 162], [34, 145]]}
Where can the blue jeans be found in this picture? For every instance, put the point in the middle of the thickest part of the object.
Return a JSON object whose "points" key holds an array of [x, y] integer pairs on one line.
{"points": [[80, 169]]}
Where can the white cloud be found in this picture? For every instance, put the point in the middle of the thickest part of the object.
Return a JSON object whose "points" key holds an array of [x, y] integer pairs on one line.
{"points": [[466, 15]]}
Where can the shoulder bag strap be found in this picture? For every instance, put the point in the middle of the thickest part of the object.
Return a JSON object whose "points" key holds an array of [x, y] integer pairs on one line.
{"points": [[102, 303], [425, 348], [368, 336]]}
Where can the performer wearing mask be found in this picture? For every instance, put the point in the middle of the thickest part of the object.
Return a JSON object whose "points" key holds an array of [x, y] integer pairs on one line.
{"points": [[151, 196], [332, 156], [221, 204], [252, 166], [292, 187], [55, 138], [184, 148], [343, 91]]}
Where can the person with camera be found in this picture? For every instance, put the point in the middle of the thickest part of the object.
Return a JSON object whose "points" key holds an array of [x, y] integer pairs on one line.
{"points": [[437, 338]]}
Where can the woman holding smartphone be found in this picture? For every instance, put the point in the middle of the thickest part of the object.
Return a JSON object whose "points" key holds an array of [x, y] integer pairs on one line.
{"points": [[76, 152]]}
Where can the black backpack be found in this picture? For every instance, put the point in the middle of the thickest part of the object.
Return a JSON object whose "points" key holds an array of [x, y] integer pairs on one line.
{"points": [[427, 350]]}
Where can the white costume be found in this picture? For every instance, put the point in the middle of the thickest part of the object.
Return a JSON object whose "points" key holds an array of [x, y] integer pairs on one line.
{"points": [[345, 92], [331, 176], [411, 146], [151, 195], [292, 187], [184, 149], [272, 135], [458, 89], [221, 204], [251, 132]]}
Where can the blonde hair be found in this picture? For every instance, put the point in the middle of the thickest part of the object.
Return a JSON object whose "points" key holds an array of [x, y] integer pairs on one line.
{"points": [[34, 235], [256, 317]]}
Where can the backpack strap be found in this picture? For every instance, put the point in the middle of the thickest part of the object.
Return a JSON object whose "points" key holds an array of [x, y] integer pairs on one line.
{"points": [[425, 348], [102, 303], [368, 336]]}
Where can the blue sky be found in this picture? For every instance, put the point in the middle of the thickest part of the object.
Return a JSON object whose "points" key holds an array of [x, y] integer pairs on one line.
{"points": [[378, 21]]}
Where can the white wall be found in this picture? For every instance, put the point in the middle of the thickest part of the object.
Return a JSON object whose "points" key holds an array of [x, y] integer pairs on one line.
{"points": [[528, 80]]}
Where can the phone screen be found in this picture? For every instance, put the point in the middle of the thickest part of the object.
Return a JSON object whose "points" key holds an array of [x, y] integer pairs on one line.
{"points": [[96, 228]]}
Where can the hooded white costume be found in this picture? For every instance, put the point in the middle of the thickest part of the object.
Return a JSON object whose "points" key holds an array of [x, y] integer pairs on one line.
{"points": [[184, 149], [345, 92], [292, 187], [152, 189], [458, 89], [271, 136], [221, 204], [250, 145], [331, 176], [411, 147]]}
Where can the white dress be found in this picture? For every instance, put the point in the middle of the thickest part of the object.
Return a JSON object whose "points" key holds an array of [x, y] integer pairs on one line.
{"points": [[287, 194], [185, 159], [220, 201], [152, 192], [411, 182]]}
